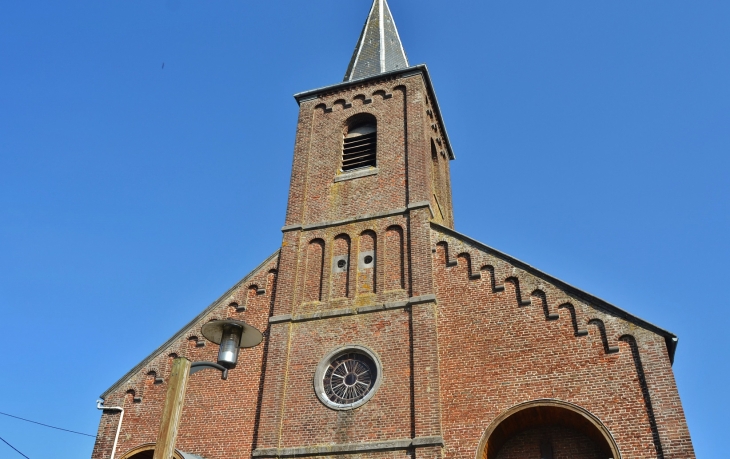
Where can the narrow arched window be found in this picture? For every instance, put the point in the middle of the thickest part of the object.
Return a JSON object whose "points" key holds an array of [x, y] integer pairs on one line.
{"points": [[360, 144]]}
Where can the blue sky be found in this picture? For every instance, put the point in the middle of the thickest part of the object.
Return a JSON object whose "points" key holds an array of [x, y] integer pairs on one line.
{"points": [[591, 139]]}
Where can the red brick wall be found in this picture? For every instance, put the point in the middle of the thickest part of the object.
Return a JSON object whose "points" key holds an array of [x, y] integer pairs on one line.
{"points": [[495, 335], [386, 416], [515, 344], [406, 123], [308, 285]]}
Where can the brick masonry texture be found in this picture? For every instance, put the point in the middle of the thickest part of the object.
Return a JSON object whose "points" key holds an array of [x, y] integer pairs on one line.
{"points": [[529, 337], [463, 333]]}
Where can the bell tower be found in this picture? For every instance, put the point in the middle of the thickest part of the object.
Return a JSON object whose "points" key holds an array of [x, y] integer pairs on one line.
{"points": [[342, 172], [388, 334], [355, 305]]}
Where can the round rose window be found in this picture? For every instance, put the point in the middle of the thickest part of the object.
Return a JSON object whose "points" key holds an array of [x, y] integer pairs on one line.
{"points": [[347, 378]]}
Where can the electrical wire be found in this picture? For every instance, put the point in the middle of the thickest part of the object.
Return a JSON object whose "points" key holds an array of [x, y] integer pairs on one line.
{"points": [[16, 449], [46, 425]]}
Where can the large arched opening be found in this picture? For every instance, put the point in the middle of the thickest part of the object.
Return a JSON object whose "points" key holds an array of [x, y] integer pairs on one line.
{"points": [[147, 451], [547, 429]]}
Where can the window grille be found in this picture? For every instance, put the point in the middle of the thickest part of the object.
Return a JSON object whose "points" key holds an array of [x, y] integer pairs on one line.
{"points": [[359, 147], [349, 378]]}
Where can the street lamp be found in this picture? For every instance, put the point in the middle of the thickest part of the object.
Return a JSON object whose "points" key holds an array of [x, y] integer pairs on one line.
{"points": [[231, 335]]}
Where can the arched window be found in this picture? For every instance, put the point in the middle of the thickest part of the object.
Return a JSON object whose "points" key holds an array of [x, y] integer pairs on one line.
{"points": [[147, 451], [360, 144]]}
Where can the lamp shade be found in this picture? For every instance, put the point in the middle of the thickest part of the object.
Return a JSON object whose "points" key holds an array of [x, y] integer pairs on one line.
{"points": [[213, 331]]}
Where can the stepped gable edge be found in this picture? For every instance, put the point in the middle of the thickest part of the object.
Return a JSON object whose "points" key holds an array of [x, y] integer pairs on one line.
{"points": [[186, 331], [524, 288]]}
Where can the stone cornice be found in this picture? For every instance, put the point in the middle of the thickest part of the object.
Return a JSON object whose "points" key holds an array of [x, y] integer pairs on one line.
{"points": [[359, 218], [349, 447], [352, 311]]}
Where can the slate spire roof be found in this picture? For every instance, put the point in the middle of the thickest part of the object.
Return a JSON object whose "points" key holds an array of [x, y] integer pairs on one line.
{"points": [[379, 48]]}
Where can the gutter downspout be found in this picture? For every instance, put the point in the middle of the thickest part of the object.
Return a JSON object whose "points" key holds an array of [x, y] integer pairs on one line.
{"points": [[99, 406]]}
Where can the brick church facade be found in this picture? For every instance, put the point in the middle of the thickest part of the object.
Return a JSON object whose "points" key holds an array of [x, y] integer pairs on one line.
{"points": [[388, 334]]}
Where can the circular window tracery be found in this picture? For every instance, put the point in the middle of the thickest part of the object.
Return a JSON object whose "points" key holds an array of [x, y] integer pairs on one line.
{"points": [[347, 378]]}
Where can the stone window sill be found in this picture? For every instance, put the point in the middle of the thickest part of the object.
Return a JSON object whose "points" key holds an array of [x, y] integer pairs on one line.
{"points": [[356, 174]]}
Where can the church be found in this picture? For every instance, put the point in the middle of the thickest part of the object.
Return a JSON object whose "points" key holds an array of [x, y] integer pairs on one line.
{"points": [[387, 334]]}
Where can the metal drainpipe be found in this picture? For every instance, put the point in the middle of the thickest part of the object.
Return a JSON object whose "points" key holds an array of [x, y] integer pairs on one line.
{"points": [[99, 406]]}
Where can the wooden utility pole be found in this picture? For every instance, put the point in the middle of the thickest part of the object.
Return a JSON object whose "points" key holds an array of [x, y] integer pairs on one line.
{"points": [[178, 383]]}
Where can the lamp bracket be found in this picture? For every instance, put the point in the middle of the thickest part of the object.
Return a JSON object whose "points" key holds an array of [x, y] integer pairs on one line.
{"points": [[199, 366]]}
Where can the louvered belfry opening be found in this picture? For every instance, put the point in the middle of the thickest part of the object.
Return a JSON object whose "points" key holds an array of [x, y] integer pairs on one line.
{"points": [[359, 146]]}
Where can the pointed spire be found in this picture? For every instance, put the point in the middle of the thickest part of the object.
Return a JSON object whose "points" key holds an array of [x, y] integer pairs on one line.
{"points": [[379, 48]]}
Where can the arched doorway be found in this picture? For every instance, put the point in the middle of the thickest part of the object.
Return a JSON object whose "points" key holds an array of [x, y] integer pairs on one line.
{"points": [[146, 451], [547, 429]]}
